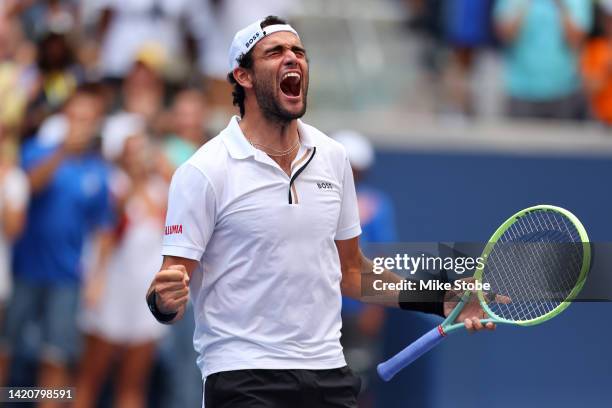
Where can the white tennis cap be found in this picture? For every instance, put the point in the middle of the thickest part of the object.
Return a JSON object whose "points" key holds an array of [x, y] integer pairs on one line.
{"points": [[245, 39], [358, 148]]}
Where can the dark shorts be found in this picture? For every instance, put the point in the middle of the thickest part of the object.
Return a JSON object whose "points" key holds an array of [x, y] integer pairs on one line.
{"points": [[335, 388]]}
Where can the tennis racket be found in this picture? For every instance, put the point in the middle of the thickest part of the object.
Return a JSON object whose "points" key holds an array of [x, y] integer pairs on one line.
{"points": [[538, 260]]}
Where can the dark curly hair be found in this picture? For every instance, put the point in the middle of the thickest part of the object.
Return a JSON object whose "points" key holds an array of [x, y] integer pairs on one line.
{"points": [[246, 61]]}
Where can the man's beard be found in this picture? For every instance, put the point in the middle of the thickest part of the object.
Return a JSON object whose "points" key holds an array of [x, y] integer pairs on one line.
{"points": [[270, 105]]}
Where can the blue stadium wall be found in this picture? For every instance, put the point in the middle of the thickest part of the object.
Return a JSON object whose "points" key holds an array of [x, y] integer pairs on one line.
{"points": [[455, 196]]}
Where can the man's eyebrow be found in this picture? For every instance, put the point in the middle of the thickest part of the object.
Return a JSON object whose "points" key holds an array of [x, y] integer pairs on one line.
{"points": [[280, 47], [273, 49]]}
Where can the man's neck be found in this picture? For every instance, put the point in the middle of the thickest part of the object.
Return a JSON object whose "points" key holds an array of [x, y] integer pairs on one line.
{"points": [[274, 135]]}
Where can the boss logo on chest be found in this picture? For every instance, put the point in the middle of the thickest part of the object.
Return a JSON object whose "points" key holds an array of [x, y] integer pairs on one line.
{"points": [[325, 186]]}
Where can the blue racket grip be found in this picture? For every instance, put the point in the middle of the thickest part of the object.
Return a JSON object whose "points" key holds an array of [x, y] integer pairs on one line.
{"points": [[404, 358]]}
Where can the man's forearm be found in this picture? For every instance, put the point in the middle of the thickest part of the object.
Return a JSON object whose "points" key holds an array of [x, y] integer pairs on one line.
{"points": [[391, 297], [360, 283]]}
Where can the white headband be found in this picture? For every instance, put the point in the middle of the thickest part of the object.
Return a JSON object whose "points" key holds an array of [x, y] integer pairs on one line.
{"points": [[245, 39]]}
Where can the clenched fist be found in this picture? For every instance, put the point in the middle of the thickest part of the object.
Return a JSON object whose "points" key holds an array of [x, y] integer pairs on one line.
{"points": [[171, 286]]}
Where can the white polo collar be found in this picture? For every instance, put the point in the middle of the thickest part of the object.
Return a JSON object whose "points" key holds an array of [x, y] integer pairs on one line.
{"points": [[239, 147]]}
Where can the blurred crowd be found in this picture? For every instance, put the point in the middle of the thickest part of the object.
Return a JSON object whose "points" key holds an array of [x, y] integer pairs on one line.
{"points": [[101, 100], [557, 61]]}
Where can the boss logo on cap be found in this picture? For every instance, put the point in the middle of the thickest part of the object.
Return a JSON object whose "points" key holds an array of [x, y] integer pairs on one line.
{"points": [[251, 40]]}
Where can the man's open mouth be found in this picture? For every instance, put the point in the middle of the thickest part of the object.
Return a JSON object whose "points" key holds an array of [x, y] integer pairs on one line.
{"points": [[291, 84]]}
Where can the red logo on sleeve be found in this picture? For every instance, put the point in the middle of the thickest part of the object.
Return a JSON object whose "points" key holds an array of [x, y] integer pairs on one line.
{"points": [[174, 229]]}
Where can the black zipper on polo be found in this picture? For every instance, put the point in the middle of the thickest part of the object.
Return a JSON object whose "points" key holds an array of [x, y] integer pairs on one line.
{"points": [[297, 173]]}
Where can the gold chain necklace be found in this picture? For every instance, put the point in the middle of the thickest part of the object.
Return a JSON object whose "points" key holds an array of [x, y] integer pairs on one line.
{"points": [[277, 153]]}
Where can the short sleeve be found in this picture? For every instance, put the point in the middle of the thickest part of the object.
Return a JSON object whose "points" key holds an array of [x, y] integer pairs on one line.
{"points": [[190, 220], [348, 222], [16, 189]]}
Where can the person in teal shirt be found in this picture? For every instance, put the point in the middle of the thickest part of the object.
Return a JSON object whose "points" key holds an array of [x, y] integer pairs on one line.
{"points": [[189, 117], [542, 39]]}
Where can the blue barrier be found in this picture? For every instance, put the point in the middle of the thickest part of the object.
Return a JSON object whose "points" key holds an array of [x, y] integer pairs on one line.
{"points": [[457, 196]]}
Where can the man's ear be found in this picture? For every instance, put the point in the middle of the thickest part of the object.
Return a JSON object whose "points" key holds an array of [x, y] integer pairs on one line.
{"points": [[244, 77]]}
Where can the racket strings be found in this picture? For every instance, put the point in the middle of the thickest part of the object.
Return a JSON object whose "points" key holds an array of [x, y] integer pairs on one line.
{"points": [[536, 263], [562, 287], [517, 291], [567, 278], [521, 307], [555, 285], [539, 263]]}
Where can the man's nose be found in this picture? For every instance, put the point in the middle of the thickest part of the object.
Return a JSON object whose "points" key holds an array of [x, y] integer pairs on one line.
{"points": [[290, 58]]}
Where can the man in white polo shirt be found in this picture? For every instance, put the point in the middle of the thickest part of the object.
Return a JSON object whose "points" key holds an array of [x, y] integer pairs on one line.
{"points": [[263, 227]]}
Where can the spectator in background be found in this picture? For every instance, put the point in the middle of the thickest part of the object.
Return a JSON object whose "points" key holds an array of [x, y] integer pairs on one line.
{"points": [[16, 88], [597, 67], [143, 88], [128, 25], [426, 19], [58, 16], [57, 77], [17, 76], [542, 39], [468, 29], [142, 93], [189, 116], [361, 322], [14, 195], [119, 326], [70, 202]]}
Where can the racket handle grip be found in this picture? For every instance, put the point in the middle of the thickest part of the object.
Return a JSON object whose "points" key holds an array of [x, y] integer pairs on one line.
{"points": [[404, 358]]}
